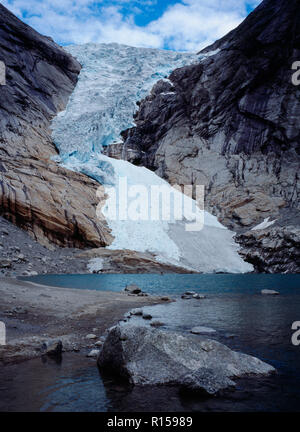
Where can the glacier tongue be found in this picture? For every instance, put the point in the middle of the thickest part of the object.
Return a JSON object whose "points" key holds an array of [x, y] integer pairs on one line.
{"points": [[112, 79]]}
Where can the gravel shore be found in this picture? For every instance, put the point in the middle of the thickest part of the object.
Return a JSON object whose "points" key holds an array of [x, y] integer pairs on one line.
{"points": [[36, 314]]}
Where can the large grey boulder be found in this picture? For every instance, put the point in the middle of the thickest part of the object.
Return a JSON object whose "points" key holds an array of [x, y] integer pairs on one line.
{"points": [[147, 356]]}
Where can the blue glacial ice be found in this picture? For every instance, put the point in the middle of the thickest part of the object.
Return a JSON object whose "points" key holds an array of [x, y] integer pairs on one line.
{"points": [[113, 78]]}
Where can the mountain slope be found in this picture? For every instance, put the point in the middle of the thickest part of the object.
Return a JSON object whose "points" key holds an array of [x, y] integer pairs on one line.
{"points": [[232, 124], [36, 194]]}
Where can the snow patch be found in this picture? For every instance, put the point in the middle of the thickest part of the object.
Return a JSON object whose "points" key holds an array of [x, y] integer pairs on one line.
{"points": [[265, 224], [95, 265]]}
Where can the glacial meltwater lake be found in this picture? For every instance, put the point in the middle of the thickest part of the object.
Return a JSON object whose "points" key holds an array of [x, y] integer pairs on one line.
{"points": [[244, 320]]}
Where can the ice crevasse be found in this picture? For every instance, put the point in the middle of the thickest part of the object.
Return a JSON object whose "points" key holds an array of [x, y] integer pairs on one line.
{"points": [[113, 78]]}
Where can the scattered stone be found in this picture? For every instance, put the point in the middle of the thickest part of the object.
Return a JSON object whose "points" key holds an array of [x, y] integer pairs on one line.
{"points": [[5, 263], [189, 293], [19, 310], [29, 273], [269, 292], [186, 297], [136, 312], [91, 336], [199, 296], [147, 316], [99, 343], [165, 299], [157, 324], [93, 353], [203, 330], [133, 289], [52, 349], [171, 358]]}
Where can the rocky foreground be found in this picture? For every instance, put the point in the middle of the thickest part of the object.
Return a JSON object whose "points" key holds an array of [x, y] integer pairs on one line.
{"points": [[37, 317]]}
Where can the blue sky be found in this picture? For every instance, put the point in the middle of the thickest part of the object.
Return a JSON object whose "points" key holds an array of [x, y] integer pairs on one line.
{"points": [[181, 25]]}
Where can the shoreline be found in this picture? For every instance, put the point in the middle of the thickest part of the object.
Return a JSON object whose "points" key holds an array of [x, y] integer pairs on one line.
{"points": [[35, 314]]}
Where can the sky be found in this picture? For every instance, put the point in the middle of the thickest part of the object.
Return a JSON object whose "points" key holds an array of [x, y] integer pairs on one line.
{"points": [[180, 25]]}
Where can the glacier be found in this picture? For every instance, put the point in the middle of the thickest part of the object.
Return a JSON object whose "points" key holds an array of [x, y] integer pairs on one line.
{"points": [[113, 78]]}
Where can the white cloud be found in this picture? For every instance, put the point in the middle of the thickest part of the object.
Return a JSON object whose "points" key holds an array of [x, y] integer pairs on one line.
{"points": [[187, 25]]}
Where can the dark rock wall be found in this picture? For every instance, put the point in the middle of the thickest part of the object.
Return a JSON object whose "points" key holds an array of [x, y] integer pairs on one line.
{"points": [[231, 122]]}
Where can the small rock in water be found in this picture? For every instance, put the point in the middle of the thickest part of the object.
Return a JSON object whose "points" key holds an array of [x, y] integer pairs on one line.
{"points": [[157, 324], [199, 296], [99, 343], [133, 289], [186, 297], [93, 353], [165, 298], [91, 336], [19, 310], [52, 349], [202, 330], [189, 293], [147, 316], [136, 312], [269, 292]]}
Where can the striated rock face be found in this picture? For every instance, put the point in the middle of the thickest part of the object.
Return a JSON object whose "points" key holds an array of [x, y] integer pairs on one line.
{"points": [[50, 202], [231, 122], [273, 250]]}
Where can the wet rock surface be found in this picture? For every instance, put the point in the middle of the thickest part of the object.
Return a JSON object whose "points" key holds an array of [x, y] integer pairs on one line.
{"points": [[153, 357]]}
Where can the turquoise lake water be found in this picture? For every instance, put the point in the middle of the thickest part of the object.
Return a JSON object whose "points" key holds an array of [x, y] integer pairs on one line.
{"points": [[243, 319]]}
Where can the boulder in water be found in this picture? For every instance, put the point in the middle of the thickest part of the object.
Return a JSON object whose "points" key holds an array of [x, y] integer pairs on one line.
{"points": [[269, 292], [146, 356], [52, 348], [199, 296], [202, 330]]}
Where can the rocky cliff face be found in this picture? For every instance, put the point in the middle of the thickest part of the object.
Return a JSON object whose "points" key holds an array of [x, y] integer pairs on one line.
{"points": [[35, 193], [231, 122]]}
